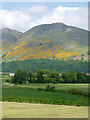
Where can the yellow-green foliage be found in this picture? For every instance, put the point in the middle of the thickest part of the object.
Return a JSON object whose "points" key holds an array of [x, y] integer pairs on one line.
{"points": [[30, 49], [23, 53]]}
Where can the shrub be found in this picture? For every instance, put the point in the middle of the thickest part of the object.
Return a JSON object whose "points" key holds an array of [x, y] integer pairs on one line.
{"points": [[76, 91], [45, 101], [50, 88], [7, 81], [40, 89]]}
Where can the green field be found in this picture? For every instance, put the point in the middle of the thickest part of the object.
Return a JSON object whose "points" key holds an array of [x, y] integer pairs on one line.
{"points": [[5, 76], [27, 110], [41, 104], [27, 92], [32, 95], [61, 87]]}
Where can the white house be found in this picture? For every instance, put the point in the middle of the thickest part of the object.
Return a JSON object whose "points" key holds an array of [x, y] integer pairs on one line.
{"points": [[11, 74]]}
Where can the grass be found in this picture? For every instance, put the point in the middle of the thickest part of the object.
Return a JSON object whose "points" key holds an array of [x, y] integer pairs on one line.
{"points": [[61, 87], [27, 110], [63, 94], [5, 76], [40, 96], [27, 92]]}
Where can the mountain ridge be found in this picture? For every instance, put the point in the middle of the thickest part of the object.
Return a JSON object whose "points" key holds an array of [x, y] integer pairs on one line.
{"points": [[55, 40]]}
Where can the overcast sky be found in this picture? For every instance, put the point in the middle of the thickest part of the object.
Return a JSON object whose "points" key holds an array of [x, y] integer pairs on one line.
{"points": [[23, 16]]}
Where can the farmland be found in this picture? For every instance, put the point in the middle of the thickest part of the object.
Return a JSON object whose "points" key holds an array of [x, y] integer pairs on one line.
{"points": [[32, 98], [27, 110], [48, 64], [66, 94], [33, 95], [62, 87]]}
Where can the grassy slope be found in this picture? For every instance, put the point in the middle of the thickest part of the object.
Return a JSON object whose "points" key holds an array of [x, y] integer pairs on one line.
{"points": [[45, 41], [9, 38], [25, 110]]}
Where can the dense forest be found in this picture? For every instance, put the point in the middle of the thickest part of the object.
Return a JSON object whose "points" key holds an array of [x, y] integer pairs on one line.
{"points": [[49, 64]]}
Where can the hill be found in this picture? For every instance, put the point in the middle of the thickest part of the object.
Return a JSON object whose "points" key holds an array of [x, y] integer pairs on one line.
{"points": [[55, 64], [9, 38], [50, 41]]}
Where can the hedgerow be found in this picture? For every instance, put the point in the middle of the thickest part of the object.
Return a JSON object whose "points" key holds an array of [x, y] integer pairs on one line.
{"points": [[45, 101]]}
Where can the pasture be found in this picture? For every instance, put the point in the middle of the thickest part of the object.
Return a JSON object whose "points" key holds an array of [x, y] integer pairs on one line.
{"points": [[61, 87], [30, 93], [27, 110], [26, 101], [33, 95]]}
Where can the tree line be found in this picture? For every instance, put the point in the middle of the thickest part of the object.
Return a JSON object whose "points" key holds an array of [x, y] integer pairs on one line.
{"points": [[46, 76]]}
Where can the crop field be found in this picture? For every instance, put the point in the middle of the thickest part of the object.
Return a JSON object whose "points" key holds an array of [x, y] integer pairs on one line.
{"points": [[61, 87], [27, 92], [32, 101], [28, 110], [64, 94], [40, 96]]}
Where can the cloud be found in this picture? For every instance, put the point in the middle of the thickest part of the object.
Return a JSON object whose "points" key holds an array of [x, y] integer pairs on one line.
{"points": [[37, 10], [28, 18], [15, 20], [71, 16]]}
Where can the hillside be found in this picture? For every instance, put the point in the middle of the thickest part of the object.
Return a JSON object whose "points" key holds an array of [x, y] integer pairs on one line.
{"points": [[9, 38], [55, 64], [55, 40]]}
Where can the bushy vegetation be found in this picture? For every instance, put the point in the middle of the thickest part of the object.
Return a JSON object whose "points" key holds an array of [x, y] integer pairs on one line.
{"points": [[71, 90], [54, 64], [46, 76], [78, 91], [45, 101], [50, 88]]}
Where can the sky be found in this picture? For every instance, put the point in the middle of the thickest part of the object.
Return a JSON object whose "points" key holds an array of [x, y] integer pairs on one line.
{"points": [[22, 16]]}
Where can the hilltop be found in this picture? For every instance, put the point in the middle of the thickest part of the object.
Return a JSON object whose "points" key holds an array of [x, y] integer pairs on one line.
{"points": [[48, 41]]}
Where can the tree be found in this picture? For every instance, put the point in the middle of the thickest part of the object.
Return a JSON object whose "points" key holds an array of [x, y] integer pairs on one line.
{"points": [[17, 76], [54, 77], [82, 77], [72, 77], [30, 75], [40, 77], [45, 72], [24, 77], [65, 77], [20, 77], [35, 70]]}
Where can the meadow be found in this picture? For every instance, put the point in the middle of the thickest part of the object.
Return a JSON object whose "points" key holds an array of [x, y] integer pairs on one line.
{"points": [[64, 94], [29, 110], [33, 95], [61, 87], [28, 99]]}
